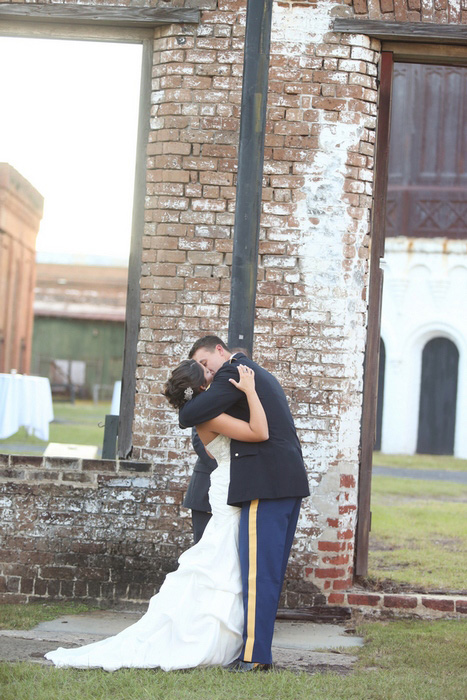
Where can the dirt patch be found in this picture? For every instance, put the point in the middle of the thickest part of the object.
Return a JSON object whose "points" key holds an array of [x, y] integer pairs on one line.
{"points": [[377, 545], [387, 585], [452, 544], [17, 649], [313, 661]]}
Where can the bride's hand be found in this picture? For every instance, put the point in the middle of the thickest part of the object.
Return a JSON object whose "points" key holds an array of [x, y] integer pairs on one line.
{"points": [[246, 381]]}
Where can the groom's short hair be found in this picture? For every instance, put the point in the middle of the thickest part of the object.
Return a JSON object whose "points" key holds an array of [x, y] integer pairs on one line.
{"points": [[209, 342]]}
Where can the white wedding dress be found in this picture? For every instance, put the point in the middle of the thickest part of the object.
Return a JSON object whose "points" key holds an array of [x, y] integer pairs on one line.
{"points": [[196, 619]]}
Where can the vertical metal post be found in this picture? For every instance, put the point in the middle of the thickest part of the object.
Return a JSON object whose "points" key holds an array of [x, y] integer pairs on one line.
{"points": [[250, 173]]}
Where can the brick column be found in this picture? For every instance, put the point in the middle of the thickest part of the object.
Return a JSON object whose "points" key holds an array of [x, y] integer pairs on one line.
{"points": [[312, 277]]}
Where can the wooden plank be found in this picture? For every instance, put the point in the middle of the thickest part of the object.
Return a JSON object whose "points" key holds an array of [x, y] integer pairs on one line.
{"points": [[133, 301], [109, 446], [380, 396], [103, 15], [395, 31], [370, 384], [418, 52], [75, 32], [317, 613]]}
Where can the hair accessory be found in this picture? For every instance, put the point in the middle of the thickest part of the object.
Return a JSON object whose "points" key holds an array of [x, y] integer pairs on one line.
{"points": [[188, 393]]}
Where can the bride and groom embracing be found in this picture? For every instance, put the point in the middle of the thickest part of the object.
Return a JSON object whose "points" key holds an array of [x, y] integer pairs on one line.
{"points": [[219, 606]]}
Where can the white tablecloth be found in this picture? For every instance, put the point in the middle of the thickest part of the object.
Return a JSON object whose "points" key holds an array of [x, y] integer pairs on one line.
{"points": [[115, 407], [25, 401]]}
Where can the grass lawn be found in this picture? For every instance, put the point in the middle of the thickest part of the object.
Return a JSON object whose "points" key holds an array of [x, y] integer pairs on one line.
{"points": [[418, 533], [420, 462], [401, 660], [77, 424], [25, 617]]}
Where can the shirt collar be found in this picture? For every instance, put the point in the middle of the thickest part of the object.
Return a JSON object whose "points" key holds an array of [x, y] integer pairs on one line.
{"points": [[234, 356]]}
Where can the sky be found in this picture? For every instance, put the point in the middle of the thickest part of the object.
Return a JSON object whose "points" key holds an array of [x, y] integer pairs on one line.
{"points": [[68, 124]]}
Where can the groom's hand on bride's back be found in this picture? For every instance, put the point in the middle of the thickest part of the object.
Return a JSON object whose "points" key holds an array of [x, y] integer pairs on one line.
{"points": [[220, 396]]}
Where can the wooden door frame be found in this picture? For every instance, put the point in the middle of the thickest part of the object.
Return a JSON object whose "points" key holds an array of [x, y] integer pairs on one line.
{"points": [[397, 46], [122, 25], [370, 373]]}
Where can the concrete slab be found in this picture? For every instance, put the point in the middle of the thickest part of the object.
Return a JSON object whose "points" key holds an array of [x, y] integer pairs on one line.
{"points": [[58, 449], [311, 636], [295, 644]]}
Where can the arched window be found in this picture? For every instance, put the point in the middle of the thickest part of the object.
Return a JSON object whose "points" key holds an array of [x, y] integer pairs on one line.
{"points": [[438, 393]]}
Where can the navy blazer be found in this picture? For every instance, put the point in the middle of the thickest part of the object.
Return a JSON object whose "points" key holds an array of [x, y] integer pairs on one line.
{"points": [[270, 469], [196, 496]]}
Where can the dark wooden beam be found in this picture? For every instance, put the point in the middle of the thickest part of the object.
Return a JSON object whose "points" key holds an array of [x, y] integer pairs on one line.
{"points": [[250, 174], [403, 31], [102, 15], [109, 446], [419, 52], [133, 300], [317, 613], [370, 379]]}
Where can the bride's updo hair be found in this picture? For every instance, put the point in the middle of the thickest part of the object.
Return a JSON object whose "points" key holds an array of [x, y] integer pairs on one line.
{"points": [[188, 375]]}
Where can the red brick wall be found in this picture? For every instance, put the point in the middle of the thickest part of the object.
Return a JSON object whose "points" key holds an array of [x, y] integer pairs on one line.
{"points": [[87, 529], [436, 11], [312, 276]]}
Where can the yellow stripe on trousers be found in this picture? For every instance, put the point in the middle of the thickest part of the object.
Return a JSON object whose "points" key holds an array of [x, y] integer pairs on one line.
{"points": [[252, 564]]}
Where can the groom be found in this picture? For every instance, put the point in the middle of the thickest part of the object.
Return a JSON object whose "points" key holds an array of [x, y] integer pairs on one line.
{"points": [[267, 479]]}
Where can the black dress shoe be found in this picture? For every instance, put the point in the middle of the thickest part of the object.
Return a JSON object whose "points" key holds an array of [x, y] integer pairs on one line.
{"points": [[239, 666]]}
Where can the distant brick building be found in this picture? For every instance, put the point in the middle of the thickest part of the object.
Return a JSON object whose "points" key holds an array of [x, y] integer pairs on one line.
{"points": [[79, 317], [317, 313], [21, 209]]}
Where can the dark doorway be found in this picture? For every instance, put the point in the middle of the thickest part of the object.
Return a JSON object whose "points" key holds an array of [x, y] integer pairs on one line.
{"points": [[380, 398], [438, 392]]}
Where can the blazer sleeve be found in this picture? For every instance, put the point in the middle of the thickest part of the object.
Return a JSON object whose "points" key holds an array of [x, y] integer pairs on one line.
{"points": [[201, 451], [220, 396]]}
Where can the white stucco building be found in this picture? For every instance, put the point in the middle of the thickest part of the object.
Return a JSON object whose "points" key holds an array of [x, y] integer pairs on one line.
{"points": [[425, 290]]}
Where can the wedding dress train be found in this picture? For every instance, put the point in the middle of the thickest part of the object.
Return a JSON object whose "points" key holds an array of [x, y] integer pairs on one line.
{"points": [[196, 619]]}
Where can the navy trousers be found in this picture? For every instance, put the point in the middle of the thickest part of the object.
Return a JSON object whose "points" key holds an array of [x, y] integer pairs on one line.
{"points": [[267, 529], [199, 520]]}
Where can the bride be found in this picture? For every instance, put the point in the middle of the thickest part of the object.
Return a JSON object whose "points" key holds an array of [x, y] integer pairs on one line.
{"points": [[196, 619]]}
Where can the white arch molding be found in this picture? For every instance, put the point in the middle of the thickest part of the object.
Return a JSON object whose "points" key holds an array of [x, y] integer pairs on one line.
{"points": [[403, 385]]}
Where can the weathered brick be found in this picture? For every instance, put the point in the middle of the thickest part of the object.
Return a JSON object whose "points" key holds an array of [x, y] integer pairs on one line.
{"points": [[360, 7], [438, 604], [399, 601], [336, 598], [363, 599], [347, 481], [341, 584]]}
